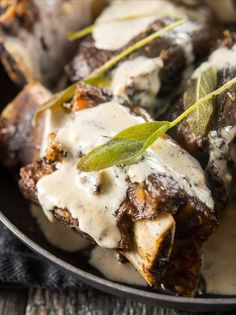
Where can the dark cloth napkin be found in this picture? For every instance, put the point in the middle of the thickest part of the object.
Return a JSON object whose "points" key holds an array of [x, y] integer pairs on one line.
{"points": [[20, 267]]}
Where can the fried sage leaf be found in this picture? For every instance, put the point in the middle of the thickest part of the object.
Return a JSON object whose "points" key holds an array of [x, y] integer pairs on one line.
{"points": [[204, 84], [131, 143], [123, 148]]}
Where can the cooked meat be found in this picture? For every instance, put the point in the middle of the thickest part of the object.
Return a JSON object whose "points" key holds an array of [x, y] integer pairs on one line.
{"points": [[30, 176], [19, 142], [156, 199], [195, 41], [28, 33], [87, 96], [214, 147]]}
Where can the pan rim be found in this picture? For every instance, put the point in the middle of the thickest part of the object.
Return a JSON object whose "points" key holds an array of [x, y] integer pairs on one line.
{"points": [[180, 303]]}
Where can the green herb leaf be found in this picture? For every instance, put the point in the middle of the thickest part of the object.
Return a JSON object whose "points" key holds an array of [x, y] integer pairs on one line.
{"points": [[82, 33], [141, 43], [97, 77], [131, 143], [124, 147], [89, 29], [55, 102], [205, 83]]}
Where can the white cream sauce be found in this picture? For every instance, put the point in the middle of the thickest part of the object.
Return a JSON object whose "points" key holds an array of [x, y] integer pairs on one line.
{"points": [[221, 140], [219, 255], [111, 34], [138, 79], [181, 35], [57, 233], [223, 56], [219, 58], [106, 262], [220, 143], [69, 188]]}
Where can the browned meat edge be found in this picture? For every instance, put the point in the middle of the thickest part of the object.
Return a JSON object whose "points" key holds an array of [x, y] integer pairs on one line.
{"points": [[88, 57], [195, 221], [199, 146]]}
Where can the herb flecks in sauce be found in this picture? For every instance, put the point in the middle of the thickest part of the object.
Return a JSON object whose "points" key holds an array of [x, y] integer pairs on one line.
{"points": [[131, 143], [97, 76]]}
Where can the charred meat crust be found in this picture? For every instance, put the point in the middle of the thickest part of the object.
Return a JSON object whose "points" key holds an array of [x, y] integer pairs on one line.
{"points": [[88, 57], [144, 200], [19, 141], [161, 261], [10, 66], [30, 175], [87, 96], [21, 12], [64, 216], [183, 271], [200, 145]]}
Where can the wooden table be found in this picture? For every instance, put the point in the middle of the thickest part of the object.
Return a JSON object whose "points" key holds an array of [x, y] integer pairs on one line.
{"points": [[89, 302]]}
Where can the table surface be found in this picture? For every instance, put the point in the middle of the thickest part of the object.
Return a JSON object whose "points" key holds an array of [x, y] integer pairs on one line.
{"points": [[89, 302]]}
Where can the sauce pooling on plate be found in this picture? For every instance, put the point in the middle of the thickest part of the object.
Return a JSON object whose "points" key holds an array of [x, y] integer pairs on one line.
{"points": [[219, 255], [57, 233], [106, 262]]}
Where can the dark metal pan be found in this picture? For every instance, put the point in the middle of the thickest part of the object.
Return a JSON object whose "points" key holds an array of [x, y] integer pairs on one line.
{"points": [[16, 216]]}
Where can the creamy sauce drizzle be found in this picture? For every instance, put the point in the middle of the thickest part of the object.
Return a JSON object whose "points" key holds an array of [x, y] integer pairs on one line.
{"points": [[139, 80], [112, 35], [219, 58], [57, 233], [220, 140], [77, 191], [219, 255], [182, 37], [219, 143], [106, 262]]}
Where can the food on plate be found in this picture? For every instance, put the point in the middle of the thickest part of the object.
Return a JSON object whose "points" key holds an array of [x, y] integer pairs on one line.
{"points": [[138, 206], [157, 67], [214, 144], [53, 232], [28, 33], [137, 195], [19, 142]]}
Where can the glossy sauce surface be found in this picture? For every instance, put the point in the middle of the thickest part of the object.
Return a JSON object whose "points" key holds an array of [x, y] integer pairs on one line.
{"points": [[94, 197], [219, 255], [106, 262]]}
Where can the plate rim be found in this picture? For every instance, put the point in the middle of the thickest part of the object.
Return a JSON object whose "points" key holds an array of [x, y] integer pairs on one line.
{"points": [[204, 304]]}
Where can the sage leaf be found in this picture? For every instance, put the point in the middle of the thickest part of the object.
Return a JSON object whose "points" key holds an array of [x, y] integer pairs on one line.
{"points": [[89, 29], [141, 43], [205, 83], [131, 143], [124, 147], [97, 77], [82, 33]]}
